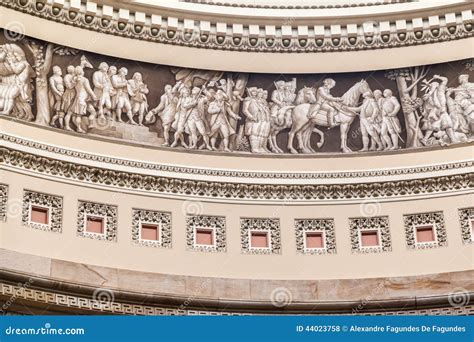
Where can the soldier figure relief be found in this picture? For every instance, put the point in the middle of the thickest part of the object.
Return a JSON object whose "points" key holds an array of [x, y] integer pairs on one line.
{"points": [[103, 89], [219, 110], [325, 101], [391, 129], [222, 111], [56, 89]]}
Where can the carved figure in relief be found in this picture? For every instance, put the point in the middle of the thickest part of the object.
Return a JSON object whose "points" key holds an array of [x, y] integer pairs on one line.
{"points": [[369, 112], [15, 88], [185, 104], [121, 99], [197, 122], [206, 115], [390, 124], [68, 95], [253, 109], [281, 97], [103, 89], [302, 126], [82, 102], [290, 91], [460, 121], [138, 92], [464, 96], [264, 117], [219, 109], [235, 91], [435, 114], [377, 122], [56, 92], [166, 110], [325, 101]]}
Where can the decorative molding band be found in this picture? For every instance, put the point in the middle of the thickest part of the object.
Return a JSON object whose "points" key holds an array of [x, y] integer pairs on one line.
{"points": [[232, 191], [285, 38], [66, 297], [251, 4], [18, 143]]}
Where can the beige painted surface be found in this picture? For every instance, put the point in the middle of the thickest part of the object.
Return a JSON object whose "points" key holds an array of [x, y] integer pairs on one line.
{"points": [[233, 264]]}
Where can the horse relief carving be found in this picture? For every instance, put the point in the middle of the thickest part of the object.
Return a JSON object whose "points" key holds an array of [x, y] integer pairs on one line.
{"points": [[223, 111]]}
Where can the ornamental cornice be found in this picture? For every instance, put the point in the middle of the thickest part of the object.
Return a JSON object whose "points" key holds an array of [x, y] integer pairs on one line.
{"points": [[249, 4], [288, 36], [226, 191], [57, 152]]}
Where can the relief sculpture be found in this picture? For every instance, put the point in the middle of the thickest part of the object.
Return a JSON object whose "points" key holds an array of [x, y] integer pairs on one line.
{"points": [[235, 112]]}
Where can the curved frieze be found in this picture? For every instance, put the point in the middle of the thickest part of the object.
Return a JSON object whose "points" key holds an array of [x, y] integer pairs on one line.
{"points": [[193, 109], [233, 191]]}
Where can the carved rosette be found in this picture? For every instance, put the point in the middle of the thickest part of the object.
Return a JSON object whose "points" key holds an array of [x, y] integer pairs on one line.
{"points": [[466, 219], [159, 218], [105, 211], [436, 219], [54, 205], [3, 202], [215, 223], [377, 223], [324, 226], [271, 226]]}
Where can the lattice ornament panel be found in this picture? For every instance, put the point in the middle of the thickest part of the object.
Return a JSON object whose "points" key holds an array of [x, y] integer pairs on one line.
{"points": [[323, 226], [162, 220], [466, 219], [97, 210], [434, 219], [3, 201], [214, 223], [379, 224], [51, 203], [271, 226]]}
